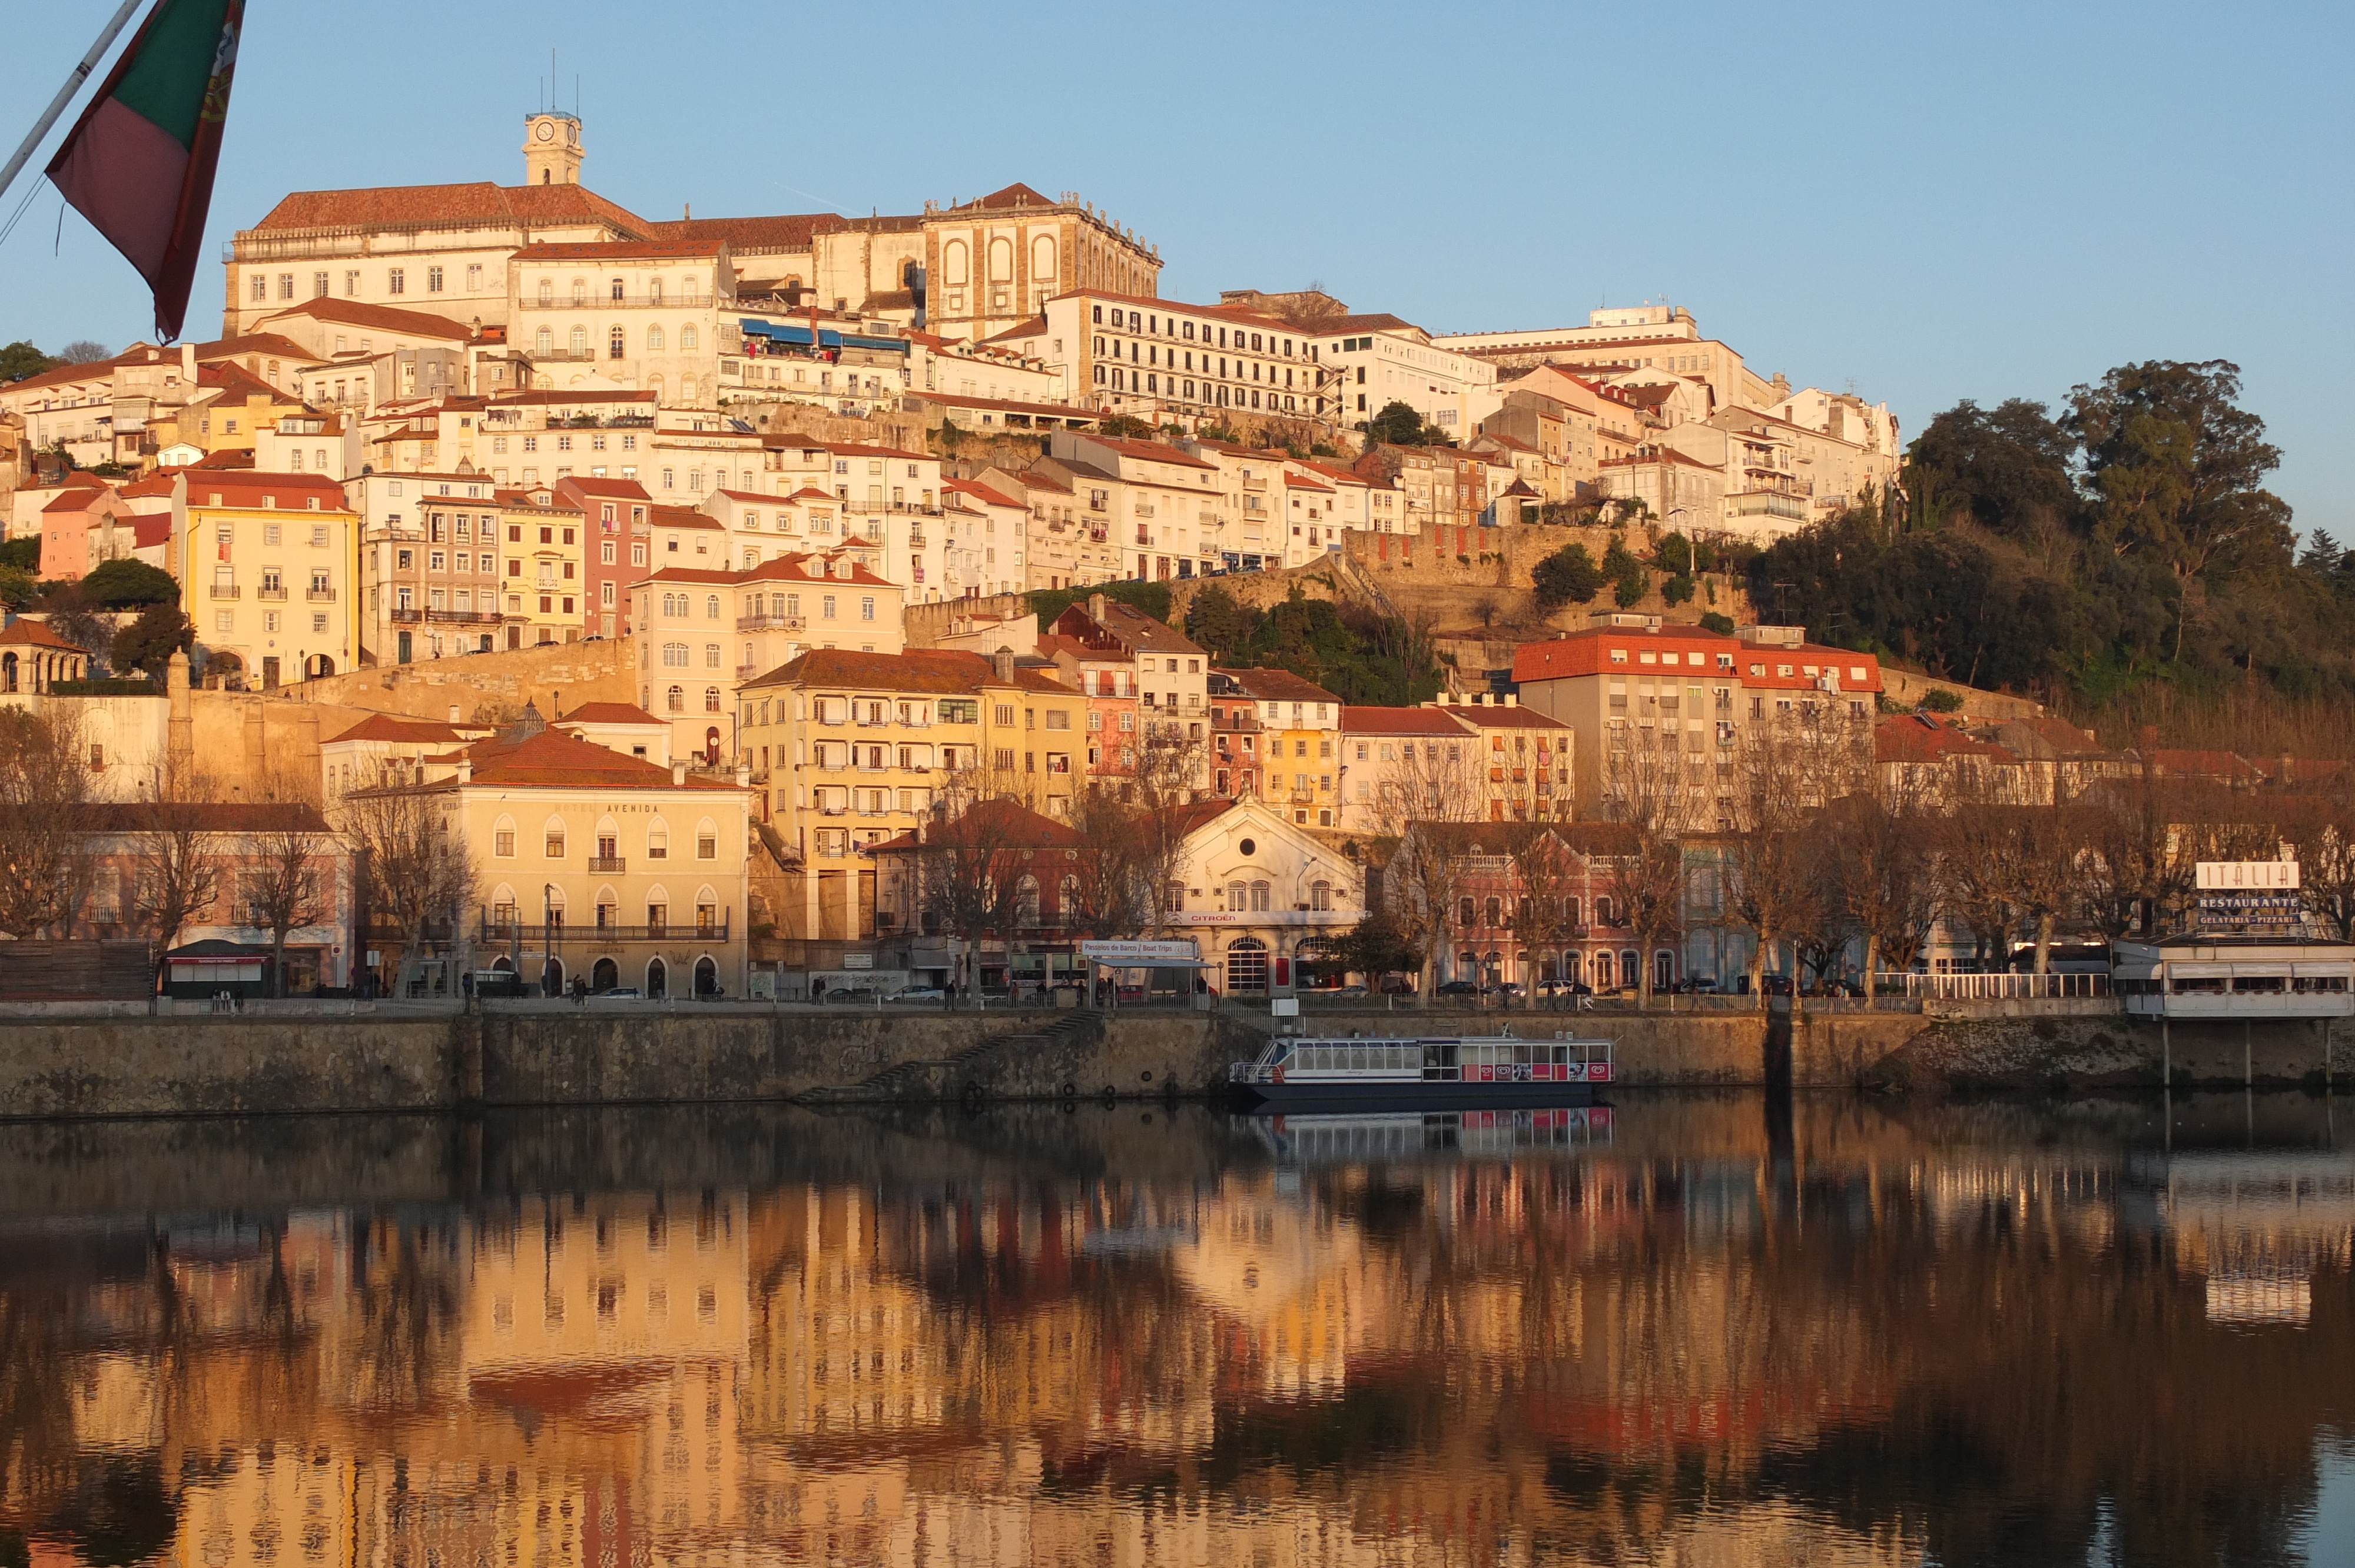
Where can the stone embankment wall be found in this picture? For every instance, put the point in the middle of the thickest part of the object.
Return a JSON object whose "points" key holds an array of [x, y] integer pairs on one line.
{"points": [[221, 1066]]}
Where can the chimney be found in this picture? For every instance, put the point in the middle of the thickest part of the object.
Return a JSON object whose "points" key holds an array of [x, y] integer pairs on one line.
{"points": [[679, 770], [465, 767], [1512, 700], [187, 362], [1096, 603], [1003, 661]]}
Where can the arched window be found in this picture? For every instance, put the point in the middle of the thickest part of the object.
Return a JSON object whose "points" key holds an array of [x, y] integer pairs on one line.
{"points": [[1042, 261], [707, 840], [502, 838], [552, 838], [712, 699], [953, 265], [657, 978], [580, 291], [654, 340], [1465, 914], [658, 839], [1246, 967], [1001, 261], [687, 383], [1602, 912], [1259, 893], [1570, 913], [1067, 899], [543, 342], [547, 291], [687, 345], [615, 347], [712, 607], [618, 290], [1495, 913], [1026, 901], [676, 699], [579, 343], [654, 291]]}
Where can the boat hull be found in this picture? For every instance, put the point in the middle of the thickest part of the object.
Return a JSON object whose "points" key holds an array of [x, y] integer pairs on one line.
{"points": [[1329, 1094]]}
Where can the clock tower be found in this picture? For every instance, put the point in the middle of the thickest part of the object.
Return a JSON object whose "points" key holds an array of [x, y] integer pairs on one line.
{"points": [[551, 149]]}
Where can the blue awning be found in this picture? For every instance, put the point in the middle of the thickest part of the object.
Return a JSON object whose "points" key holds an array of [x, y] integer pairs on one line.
{"points": [[826, 337]]}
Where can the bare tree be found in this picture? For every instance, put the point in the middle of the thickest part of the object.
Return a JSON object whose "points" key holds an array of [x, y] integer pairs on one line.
{"points": [[1544, 876], [413, 858], [177, 867], [1172, 770], [283, 887], [1884, 863], [969, 872], [1772, 885], [46, 866], [2321, 831], [1647, 790], [1114, 889]]}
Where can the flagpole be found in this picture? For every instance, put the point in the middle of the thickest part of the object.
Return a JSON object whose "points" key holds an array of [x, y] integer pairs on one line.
{"points": [[65, 94]]}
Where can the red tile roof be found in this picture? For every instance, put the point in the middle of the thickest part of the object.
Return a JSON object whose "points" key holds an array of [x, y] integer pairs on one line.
{"points": [[1151, 452], [1917, 737], [23, 634], [281, 491], [1492, 716], [552, 759], [209, 816], [608, 713], [1278, 686], [386, 318], [391, 728], [1015, 194], [988, 825], [971, 487], [1398, 721], [475, 204], [786, 231]]}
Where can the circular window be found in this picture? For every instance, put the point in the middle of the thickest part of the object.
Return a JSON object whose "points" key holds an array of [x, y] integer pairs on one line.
{"points": [[1248, 847]]}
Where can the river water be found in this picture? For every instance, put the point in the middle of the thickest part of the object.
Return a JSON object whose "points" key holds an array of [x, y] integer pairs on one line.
{"points": [[1703, 1329]]}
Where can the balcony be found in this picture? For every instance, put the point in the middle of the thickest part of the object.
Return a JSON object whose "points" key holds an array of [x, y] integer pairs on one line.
{"points": [[227, 591], [772, 623], [266, 592], [401, 615], [492, 932], [320, 595], [464, 616], [607, 865]]}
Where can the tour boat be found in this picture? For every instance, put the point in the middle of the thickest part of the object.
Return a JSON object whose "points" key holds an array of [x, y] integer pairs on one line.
{"points": [[1300, 1071]]}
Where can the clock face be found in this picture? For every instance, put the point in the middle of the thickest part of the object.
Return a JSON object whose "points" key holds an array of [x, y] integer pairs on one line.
{"points": [[547, 131]]}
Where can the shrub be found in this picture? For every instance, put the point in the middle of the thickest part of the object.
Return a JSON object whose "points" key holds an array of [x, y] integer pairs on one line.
{"points": [[1942, 701], [1677, 589]]}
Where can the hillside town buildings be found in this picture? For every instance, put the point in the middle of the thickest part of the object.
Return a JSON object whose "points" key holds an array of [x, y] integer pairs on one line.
{"points": [[450, 421]]}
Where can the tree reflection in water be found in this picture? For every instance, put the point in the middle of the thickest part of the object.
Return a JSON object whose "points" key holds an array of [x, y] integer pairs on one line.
{"points": [[1704, 1329]]}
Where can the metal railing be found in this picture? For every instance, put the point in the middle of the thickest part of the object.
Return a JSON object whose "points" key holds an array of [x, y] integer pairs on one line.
{"points": [[608, 865], [227, 591], [491, 931], [320, 595], [274, 595], [1994, 987]]}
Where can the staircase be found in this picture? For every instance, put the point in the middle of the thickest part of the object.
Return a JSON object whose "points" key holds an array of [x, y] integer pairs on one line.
{"points": [[949, 1078]]}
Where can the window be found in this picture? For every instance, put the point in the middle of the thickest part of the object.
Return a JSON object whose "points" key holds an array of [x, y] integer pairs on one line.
{"points": [[503, 843], [556, 844], [433, 280], [395, 281]]}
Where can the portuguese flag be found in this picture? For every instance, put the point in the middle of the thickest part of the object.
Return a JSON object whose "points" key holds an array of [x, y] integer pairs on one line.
{"points": [[139, 163]]}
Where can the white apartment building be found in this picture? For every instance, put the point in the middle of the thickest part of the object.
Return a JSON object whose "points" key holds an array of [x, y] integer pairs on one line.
{"points": [[1158, 506], [1372, 361], [702, 634], [1161, 359], [1631, 337], [623, 314]]}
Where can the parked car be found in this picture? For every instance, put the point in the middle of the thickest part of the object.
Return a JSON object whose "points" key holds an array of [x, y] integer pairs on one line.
{"points": [[861, 993], [1511, 991], [917, 993], [617, 993], [1458, 988], [1340, 990]]}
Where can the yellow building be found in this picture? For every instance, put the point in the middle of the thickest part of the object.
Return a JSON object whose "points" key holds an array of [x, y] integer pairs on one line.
{"points": [[1299, 726], [268, 565], [854, 749], [592, 866], [546, 565]]}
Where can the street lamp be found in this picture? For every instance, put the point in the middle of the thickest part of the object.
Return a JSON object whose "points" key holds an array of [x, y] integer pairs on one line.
{"points": [[547, 934]]}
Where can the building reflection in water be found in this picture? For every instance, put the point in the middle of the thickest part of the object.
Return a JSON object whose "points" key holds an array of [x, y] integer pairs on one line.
{"points": [[1671, 1335]]}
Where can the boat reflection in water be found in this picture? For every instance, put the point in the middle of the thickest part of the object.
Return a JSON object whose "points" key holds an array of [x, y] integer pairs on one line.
{"points": [[1700, 1329], [1347, 1138]]}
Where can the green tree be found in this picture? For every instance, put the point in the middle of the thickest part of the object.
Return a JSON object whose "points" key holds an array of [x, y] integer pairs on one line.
{"points": [[1677, 589], [1674, 555], [17, 586], [1397, 425], [1619, 560], [21, 359], [148, 643], [1127, 427], [23, 554], [1569, 575], [1629, 590], [1151, 598], [2176, 468], [1722, 625], [2006, 468], [128, 584], [1215, 621]]}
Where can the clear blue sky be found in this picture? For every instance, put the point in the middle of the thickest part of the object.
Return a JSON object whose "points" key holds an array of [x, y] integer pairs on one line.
{"points": [[1934, 202]]}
